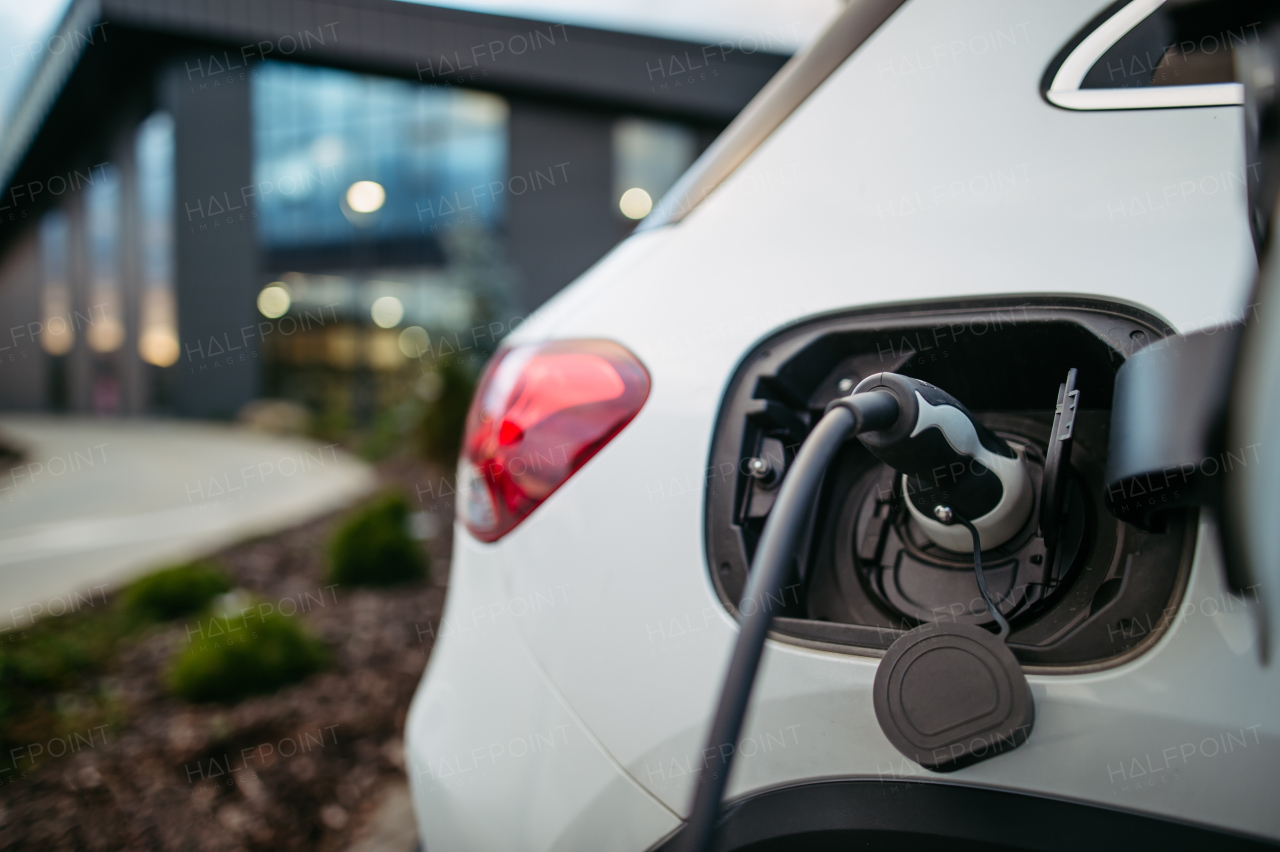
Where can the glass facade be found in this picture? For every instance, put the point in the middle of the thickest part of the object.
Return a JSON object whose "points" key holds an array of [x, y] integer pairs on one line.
{"points": [[102, 230], [381, 216], [157, 320], [321, 136], [88, 303], [59, 332], [380, 207]]}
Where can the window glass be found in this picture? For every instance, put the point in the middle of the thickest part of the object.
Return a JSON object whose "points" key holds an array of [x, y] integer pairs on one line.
{"points": [[58, 332], [380, 208], [343, 157], [1181, 44], [157, 320], [105, 332], [648, 158]]}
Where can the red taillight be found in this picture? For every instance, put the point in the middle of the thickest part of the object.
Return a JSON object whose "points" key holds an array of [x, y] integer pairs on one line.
{"points": [[540, 412]]}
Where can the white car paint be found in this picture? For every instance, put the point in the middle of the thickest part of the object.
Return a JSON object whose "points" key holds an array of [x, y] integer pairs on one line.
{"points": [[919, 170]]}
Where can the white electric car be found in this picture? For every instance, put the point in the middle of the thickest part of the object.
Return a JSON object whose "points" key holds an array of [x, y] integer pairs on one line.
{"points": [[979, 194]]}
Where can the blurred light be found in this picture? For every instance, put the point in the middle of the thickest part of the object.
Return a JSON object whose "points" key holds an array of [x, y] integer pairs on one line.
{"points": [[157, 319], [387, 312], [635, 203], [414, 341], [274, 300], [382, 352], [480, 109], [342, 347], [158, 346], [58, 337], [105, 335], [366, 196]]}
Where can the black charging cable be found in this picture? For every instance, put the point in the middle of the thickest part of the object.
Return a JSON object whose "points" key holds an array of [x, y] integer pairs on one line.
{"points": [[846, 417], [943, 512]]}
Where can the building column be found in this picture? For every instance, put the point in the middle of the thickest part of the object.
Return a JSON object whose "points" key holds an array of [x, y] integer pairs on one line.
{"points": [[556, 231], [79, 362], [215, 243], [23, 363]]}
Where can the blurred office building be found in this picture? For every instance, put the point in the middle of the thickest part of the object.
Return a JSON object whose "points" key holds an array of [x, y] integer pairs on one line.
{"points": [[207, 204]]}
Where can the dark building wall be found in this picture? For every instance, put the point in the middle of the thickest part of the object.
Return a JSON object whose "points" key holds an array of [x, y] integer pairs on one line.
{"points": [[79, 361], [555, 232], [22, 362], [215, 246], [135, 393]]}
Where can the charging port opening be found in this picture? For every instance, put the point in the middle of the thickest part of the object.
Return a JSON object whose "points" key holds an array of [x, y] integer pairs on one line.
{"points": [[865, 573]]}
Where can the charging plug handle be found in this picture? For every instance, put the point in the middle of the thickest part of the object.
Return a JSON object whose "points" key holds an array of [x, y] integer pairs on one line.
{"points": [[848, 416], [948, 458]]}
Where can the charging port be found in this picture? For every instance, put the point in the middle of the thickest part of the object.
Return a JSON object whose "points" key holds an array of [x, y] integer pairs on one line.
{"points": [[1092, 592], [906, 573]]}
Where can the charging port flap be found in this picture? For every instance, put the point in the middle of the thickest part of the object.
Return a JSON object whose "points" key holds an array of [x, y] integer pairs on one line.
{"points": [[948, 695]]}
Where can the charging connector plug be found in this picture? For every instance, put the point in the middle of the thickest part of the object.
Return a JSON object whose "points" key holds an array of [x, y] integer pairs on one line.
{"points": [[947, 457]]}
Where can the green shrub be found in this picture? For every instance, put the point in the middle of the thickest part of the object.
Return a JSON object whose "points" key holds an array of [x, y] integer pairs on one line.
{"points": [[235, 656], [175, 591], [65, 654], [373, 548]]}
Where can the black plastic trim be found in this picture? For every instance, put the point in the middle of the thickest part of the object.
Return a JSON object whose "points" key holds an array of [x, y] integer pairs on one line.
{"points": [[894, 816]]}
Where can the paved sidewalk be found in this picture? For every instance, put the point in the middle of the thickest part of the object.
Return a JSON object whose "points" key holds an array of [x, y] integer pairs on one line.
{"points": [[94, 503]]}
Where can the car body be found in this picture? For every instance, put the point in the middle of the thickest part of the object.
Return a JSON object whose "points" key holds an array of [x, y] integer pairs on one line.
{"points": [[581, 654]]}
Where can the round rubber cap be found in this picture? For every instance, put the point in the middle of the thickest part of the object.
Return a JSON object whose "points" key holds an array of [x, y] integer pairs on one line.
{"points": [[948, 695]]}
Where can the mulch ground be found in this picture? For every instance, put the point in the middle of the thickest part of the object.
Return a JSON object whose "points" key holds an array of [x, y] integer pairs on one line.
{"points": [[296, 770]]}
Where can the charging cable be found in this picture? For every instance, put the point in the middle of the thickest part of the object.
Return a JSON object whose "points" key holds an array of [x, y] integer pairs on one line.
{"points": [[848, 416], [947, 516]]}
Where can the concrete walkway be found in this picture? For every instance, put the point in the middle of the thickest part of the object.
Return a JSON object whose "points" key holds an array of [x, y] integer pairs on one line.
{"points": [[95, 503]]}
